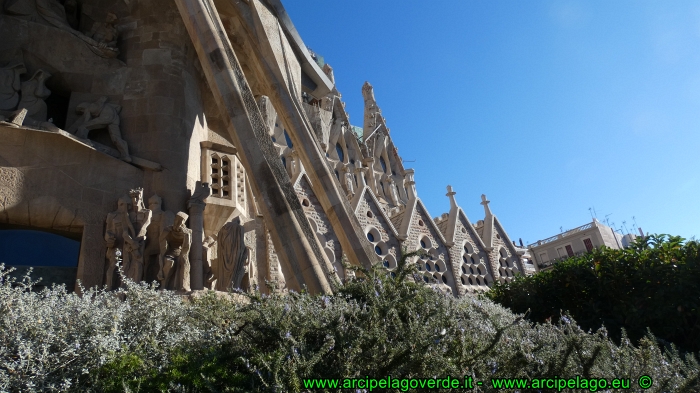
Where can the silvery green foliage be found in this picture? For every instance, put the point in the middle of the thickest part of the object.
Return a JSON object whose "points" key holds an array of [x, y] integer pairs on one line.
{"points": [[52, 340], [375, 325], [378, 326]]}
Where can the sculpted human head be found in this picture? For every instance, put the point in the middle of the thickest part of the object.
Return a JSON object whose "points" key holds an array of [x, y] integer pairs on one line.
{"points": [[124, 204], [136, 195], [155, 203], [180, 219], [111, 18]]}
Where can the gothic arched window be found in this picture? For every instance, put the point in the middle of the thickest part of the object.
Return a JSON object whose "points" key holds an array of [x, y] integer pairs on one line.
{"points": [[339, 150]]}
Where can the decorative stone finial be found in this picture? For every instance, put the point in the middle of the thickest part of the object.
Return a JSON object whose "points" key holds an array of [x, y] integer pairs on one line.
{"points": [[485, 202], [410, 184], [451, 194]]}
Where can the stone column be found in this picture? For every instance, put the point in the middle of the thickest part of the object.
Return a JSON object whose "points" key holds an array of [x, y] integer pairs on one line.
{"points": [[196, 206]]}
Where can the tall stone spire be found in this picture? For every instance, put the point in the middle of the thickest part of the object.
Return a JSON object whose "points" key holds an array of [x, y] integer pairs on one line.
{"points": [[488, 223], [451, 194]]}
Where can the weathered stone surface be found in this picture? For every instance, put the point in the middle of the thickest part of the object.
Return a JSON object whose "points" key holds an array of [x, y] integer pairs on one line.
{"points": [[109, 97]]}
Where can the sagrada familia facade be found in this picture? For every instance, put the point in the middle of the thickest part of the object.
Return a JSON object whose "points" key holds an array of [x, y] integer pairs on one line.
{"points": [[199, 143]]}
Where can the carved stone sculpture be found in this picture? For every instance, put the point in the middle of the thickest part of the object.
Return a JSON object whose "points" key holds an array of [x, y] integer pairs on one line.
{"points": [[232, 260], [10, 87], [349, 182], [106, 33], [159, 221], [135, 244], [176, 241], [34, 92], [393, 193], [101, 114], [118, 225], [53, 13]]}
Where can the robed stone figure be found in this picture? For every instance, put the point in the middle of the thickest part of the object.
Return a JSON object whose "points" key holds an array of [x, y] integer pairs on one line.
{"points": [[232, 258]]}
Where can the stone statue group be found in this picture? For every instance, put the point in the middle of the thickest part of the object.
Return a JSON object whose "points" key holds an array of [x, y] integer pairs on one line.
{"points": [[23, 102], [151, 244]]}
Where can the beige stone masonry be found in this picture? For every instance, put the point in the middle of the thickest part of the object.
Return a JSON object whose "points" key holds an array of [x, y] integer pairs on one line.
{"points": [[245, 125]]}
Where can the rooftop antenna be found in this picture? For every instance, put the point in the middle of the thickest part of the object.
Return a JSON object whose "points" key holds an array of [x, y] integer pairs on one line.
{"points": [[590, 210], [561, 229], [624, 223], [607, 220]]}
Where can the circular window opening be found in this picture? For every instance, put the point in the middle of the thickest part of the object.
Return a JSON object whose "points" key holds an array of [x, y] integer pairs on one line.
{"points": [[370, 236], [472, 259], [498, 236], [420, 268], [470, 281], [393, 275], [428, 268], [464, 270], [306, 203], [437, 268], [425, 278], [422, 244], [444, 279], [378, 250], [464, 230], [386, 263], [421, 223], [369, 214], [462, 280], [464, 258]]}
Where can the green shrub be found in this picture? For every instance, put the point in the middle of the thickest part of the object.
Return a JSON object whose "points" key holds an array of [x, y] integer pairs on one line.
{"points": [[144, 340], [654, 284]]}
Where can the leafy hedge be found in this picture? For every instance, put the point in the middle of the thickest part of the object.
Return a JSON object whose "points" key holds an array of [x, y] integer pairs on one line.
{"points": [[654, 284], [144, 340]]}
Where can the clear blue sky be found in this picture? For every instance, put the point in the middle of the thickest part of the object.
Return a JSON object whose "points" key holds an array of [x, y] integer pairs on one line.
{"points": [[548, 107]]}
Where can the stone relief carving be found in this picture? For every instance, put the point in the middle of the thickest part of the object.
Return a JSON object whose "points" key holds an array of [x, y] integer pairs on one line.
{"points": [[10, 88], [349, 181], [135, 244], [233, 256], [118, 224], [106, 33], [393, 193], [125, 233], [101, 114], [159, 221], [53, 13], [175, 242], [34, 92]]}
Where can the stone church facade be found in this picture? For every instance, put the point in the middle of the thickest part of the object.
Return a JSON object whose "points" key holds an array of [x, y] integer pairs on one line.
{"points": [[199, 143]]}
